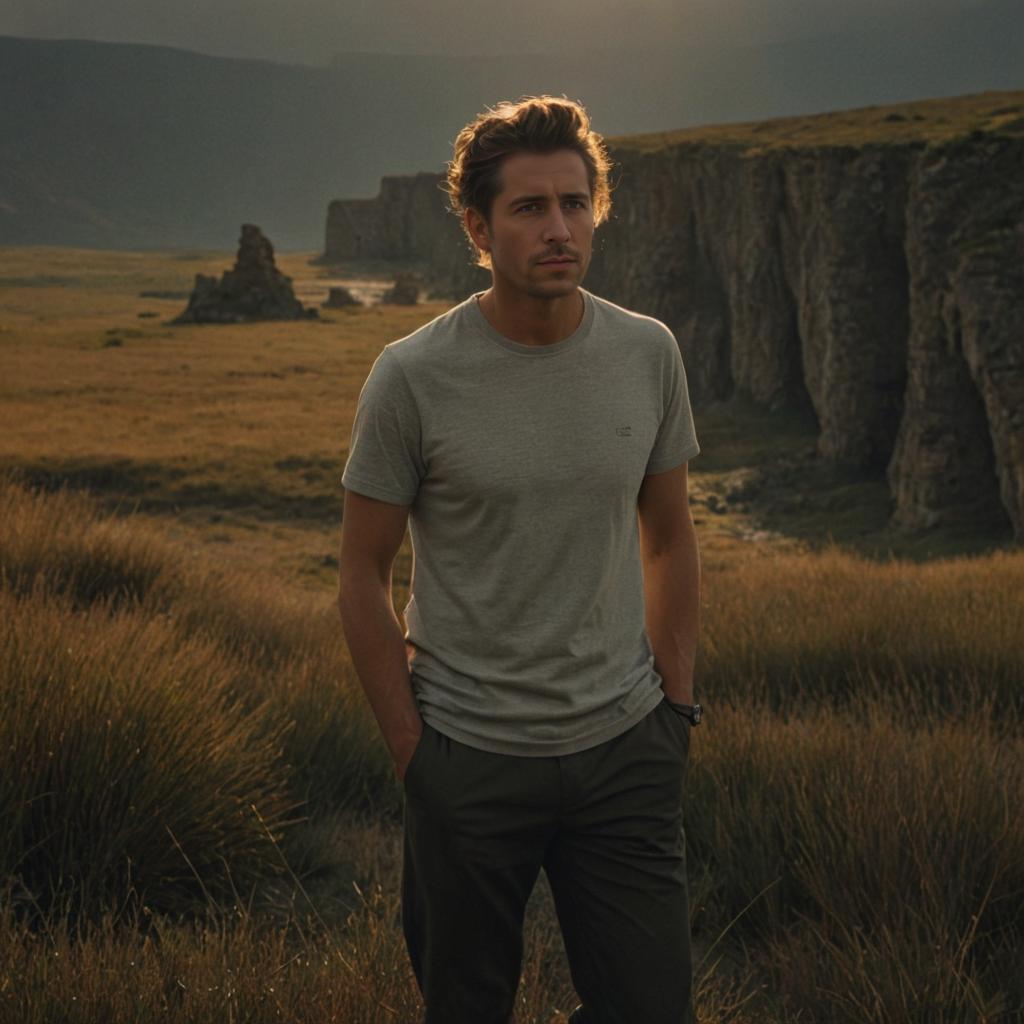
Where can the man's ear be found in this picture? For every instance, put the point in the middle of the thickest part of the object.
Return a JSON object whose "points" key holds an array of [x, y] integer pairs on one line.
{"points": [[476, 225]]}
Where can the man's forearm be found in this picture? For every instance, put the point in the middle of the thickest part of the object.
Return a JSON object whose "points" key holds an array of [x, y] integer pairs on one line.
{"points": [[376, 643], [672, 612]]}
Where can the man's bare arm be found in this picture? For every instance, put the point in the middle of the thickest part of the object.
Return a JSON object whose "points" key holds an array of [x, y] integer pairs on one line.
{"points": [[371, 535], [671, 568]]}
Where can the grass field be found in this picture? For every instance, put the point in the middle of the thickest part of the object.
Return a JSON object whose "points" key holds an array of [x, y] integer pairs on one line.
{"points": [[932, 121], [201, 822]]}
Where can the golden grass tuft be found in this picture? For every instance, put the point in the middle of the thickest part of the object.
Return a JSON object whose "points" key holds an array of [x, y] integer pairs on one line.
{"points": [[799, 629]]}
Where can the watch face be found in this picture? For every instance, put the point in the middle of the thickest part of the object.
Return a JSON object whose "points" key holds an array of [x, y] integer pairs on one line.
{"points": [[698, 713]]}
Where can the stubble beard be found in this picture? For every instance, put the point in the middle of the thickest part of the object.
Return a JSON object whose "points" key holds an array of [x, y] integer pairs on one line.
{"points": [[558, 287]]}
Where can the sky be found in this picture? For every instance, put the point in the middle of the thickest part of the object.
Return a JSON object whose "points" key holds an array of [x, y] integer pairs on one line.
{"points": [[313, 31]]}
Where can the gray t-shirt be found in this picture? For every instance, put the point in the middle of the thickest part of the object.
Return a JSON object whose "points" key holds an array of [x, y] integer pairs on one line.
{"points": [[522, 466]]}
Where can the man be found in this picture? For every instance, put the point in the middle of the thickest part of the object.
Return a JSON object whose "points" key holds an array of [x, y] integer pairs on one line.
{"points": [[538, 705]]}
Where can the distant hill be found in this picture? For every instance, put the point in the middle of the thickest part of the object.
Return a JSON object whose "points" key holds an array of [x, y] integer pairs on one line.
{"points": [[125, 145]]}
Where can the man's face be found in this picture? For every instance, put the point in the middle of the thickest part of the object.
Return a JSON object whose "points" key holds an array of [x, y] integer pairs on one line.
{"points": [[541, 226]]}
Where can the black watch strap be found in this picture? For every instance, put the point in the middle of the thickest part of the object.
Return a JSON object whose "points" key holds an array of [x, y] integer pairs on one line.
{"points": [[694, 712]]}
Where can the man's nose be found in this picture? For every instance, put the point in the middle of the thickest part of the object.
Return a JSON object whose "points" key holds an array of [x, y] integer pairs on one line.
{"points": [[556, 229]]}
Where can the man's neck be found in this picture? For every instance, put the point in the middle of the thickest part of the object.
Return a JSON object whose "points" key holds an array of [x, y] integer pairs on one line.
{"points": [[533, 321]]}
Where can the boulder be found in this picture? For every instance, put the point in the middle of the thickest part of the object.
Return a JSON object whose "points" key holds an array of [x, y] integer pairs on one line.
{"points": [[339, 297]]}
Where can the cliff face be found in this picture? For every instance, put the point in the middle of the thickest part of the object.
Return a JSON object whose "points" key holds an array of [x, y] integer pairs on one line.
{"points": [[407, 222], [961, 438], [883, 283], [782, 275], [870, 265]]}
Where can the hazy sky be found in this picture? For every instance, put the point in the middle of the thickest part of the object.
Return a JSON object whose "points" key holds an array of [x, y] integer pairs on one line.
{"points": [[311, 31]]}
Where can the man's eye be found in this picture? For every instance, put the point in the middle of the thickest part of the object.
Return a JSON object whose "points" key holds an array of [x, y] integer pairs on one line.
{"points": [[576, 204], [528, 207]]}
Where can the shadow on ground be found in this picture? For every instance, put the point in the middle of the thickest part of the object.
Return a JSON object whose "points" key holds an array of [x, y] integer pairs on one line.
{"points": [[157, 488], [762, 469]]}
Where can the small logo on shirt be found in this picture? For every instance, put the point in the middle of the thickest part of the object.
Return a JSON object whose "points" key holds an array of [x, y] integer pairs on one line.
{"points": [[624, 431]]}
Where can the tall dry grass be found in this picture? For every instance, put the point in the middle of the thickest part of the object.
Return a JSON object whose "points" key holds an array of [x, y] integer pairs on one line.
{"points": [[828, 629], [883, 864], [287, 653], [129, 771], [150, 705], [354, 972], [231, 970], [851, 814]]}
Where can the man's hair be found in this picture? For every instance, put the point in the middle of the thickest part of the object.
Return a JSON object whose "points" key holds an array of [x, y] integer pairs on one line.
{"points": [[534, 124]]}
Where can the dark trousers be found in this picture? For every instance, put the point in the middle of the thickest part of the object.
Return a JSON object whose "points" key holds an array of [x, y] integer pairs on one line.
{"points": [[606, 826]]}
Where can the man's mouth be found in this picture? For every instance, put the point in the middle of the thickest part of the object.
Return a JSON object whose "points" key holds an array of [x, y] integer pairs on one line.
{"points": [[558, 259]]}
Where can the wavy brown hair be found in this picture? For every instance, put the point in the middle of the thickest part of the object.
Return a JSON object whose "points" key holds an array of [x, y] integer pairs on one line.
{"points": [[533, 124]]}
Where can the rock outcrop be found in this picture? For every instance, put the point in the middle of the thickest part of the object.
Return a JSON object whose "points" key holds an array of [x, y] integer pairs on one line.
{"points": [[404, 292], [867, 264], [253, 290]]}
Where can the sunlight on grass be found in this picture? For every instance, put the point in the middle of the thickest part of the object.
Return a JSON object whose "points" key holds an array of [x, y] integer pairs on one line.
{"points": [[803, 820], [202, 821], [932, 120]]}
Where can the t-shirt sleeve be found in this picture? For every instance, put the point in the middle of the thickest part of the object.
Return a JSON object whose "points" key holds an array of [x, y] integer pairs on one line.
{"points": [[384, 453], [676, 440]]}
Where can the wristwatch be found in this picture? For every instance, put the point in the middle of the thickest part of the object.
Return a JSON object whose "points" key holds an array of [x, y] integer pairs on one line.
{"points": [[694, 712]]}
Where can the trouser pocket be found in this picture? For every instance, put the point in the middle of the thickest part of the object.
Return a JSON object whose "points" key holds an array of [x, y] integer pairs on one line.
{"points": [[417, 756], [679, 721]]}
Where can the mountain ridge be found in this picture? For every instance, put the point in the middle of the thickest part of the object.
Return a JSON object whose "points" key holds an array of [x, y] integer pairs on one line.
{"points": [[127, 145]]}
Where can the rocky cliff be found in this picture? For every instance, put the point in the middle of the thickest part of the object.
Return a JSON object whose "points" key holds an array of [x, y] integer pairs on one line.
{"points": [[868, 264], [407, 222]]}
